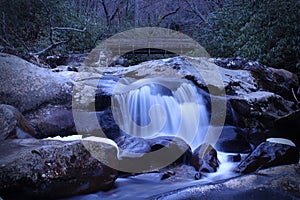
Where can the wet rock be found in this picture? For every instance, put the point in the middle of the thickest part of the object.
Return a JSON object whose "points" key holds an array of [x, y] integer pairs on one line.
{"points": [[54, 123], [128, 144], [232, 141], [288, 127], [13, 124], [174, 145], [104, 92], [53, 169], [198, 176], [167, 174], [75, 60], [64, 68], [204, 158], [119, 60], [278, 81], [100, 124], [56, 60], [275, 183], [108, 124], [234, 158], [269, 154], [260, 109], [149, 155], [27, 87]]}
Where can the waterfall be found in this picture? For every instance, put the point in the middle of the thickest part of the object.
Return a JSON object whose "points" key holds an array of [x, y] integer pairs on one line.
{"points": [[160, 107]]}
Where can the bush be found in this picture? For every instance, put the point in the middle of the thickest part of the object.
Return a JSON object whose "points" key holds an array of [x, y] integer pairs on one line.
{"points": [[26, 27], [267, 31]]}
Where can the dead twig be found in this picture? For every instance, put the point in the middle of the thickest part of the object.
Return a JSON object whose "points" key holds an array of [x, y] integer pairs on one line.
{"points": [[68, 29], [167, 15], [295, 97], [52, 46]]}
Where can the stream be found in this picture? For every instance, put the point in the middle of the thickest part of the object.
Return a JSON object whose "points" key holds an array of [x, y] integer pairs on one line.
{"points": [[148, 185]]}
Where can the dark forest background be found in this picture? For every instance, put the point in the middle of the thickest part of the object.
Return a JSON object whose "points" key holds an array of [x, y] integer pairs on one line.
{"points": [[267, 31]]}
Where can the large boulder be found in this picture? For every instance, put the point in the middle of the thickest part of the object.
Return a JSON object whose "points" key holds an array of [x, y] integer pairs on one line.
{"points": [[260, 109], [269, 154], [13, 124], [27, 87], [53, 169], [278, 81]]}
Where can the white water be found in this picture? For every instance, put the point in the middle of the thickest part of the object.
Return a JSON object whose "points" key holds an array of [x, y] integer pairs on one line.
{"points": [[153, 110]]}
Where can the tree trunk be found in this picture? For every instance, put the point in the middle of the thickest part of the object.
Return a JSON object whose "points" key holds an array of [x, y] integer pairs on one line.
{"points": [[136, 13]]}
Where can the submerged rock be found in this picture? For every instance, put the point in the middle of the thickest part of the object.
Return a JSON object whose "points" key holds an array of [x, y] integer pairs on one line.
{"points": [[269, 154], [13, 124], [53, 169], [204, 158]]}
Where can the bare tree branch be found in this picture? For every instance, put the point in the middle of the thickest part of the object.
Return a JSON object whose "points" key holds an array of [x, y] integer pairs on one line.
{"points": [[52, 29], [68, 29], [196, 11], [5, 41], [52, 46], [167, 15]]}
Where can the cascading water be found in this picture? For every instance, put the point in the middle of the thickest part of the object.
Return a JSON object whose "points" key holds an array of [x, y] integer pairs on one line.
{"points": [[156, 107]]}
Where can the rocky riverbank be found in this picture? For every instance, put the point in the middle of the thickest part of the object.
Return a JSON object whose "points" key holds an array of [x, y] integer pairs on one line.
{"points": [[38, 103]]}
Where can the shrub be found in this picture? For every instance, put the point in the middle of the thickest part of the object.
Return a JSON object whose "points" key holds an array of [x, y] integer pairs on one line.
{"points": [[267, 31]]}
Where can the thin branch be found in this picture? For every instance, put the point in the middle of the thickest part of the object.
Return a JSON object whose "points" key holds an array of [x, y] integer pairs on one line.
{"points": [[167, 15], [5, 41], [68, 29], [52, 46], [115, 12], [294, 95], [196, 11]]}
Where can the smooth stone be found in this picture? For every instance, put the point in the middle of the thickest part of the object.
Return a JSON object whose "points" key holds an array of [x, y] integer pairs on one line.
{"points": [[268, 154], [27, 86], [53, 169], [13, 124], [274, 183], [204, 159]]}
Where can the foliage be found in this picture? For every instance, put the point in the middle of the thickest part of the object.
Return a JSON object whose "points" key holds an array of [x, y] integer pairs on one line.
{"points": [[26, 26], [267, 31]]}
